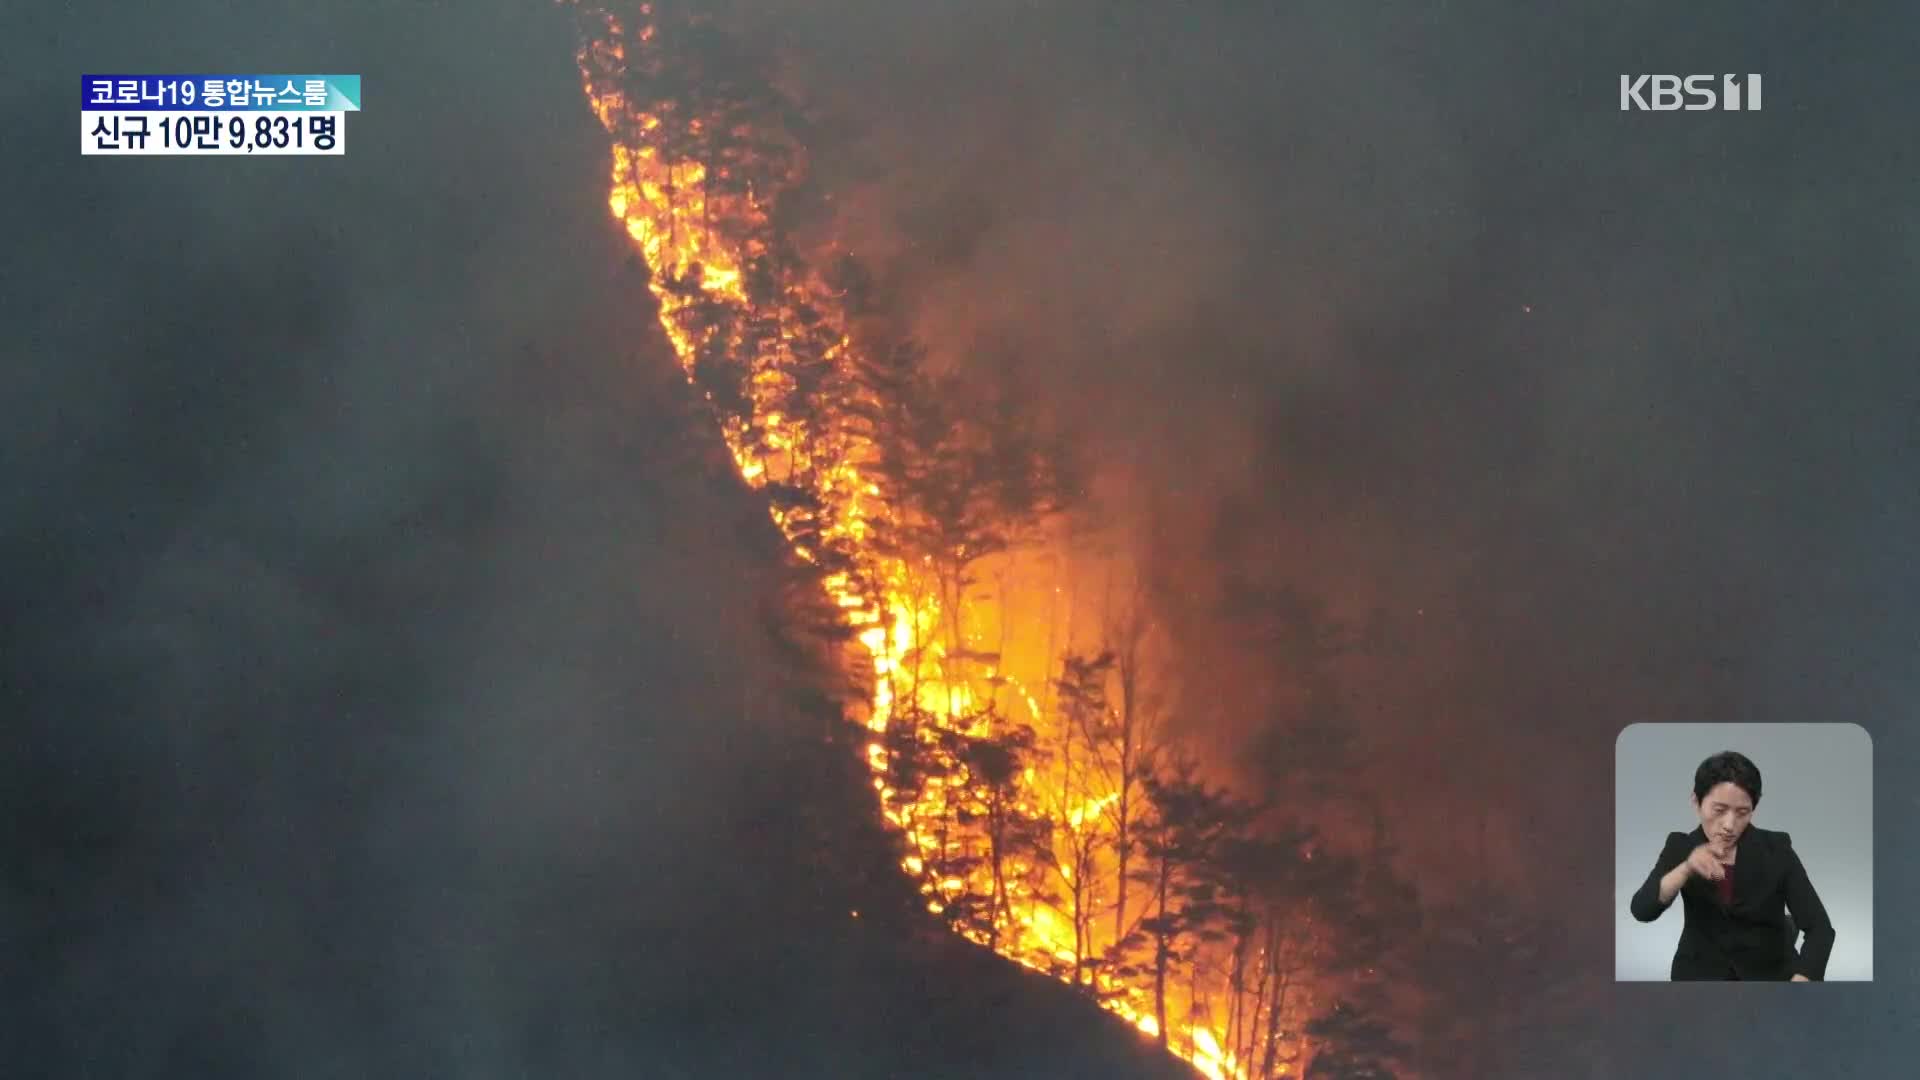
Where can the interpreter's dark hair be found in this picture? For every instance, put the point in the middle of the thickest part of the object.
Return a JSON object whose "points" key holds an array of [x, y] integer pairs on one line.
{"points": [[1727, 767]]}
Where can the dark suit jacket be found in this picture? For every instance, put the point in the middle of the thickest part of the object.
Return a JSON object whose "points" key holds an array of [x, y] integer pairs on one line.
{"points": [[1753, 939]]}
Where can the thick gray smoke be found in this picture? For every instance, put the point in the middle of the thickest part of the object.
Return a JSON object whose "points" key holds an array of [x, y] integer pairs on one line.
{"points": [[359, 650], [372, 651], [1610, 416]]}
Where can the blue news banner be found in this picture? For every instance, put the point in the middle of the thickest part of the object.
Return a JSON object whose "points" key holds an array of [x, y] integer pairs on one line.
{"points": [[216, 114]]}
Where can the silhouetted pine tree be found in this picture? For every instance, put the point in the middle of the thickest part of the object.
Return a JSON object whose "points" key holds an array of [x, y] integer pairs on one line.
{"points": [[925, 770], [1353, 1044], [1129, 744], [1485, 966], [1262, 875], [1181, 842], [1084, 717], [1018, 835]]}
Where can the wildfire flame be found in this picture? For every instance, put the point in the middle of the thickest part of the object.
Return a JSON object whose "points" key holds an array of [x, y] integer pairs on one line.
{"points": [[703, 226]]}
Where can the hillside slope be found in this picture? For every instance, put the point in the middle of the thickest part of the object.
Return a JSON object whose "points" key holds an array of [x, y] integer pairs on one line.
{"points": [[380, 661]]}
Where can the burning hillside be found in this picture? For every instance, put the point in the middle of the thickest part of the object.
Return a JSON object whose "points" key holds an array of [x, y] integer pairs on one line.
{"points": [[944, 608], [1014, 736]]}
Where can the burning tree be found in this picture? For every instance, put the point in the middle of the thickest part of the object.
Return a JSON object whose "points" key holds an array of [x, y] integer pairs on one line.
{"points": [[1130, 742], [1081, 703], [964, 808], [1018, 837], [1181, 844], [1035, 826]]}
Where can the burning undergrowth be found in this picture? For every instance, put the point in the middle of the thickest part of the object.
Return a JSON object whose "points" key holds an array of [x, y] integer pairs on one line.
{"points": [[1019, 719]]}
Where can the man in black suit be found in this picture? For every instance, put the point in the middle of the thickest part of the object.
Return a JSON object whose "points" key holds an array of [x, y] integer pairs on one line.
{"points": [[1745, 893]]}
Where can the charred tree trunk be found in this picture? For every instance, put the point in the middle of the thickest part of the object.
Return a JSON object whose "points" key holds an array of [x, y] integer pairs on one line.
{"points": [[1276, 1010], [1074, 879], [997, 810], [1122, 820], [673, 219], [1130, 718], [1303, 1049], [1076, 844], [1250, 1037], [1236, 992], [1193, 1001], [939, 863], [1283, 970], [1161, 949]]}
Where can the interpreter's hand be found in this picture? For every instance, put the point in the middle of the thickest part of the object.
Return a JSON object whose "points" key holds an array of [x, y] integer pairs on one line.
{"points": [[1703, 864], [1800, 978]]}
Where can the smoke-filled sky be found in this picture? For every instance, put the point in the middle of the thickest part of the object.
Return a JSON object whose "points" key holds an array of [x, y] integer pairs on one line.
{"points": [[1604, 409], [351, 615]]}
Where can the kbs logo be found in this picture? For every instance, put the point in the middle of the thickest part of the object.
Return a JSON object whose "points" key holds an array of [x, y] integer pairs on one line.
{"points": [[1694, 93]]}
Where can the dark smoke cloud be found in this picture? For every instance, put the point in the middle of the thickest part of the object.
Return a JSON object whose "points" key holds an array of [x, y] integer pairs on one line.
{"points": [[382, 634], [1612, 415], [358, 653], [372, 649]]}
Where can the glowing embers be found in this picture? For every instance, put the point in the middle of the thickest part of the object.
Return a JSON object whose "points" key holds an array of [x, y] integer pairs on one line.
{"points": [[707, 242]]}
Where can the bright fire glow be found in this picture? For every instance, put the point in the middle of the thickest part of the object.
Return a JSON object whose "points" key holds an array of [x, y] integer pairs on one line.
{"points": [[700, 233]]}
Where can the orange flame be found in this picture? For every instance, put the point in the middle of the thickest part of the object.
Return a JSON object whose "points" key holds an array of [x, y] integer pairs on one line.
{"points": [[697, 241]]}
